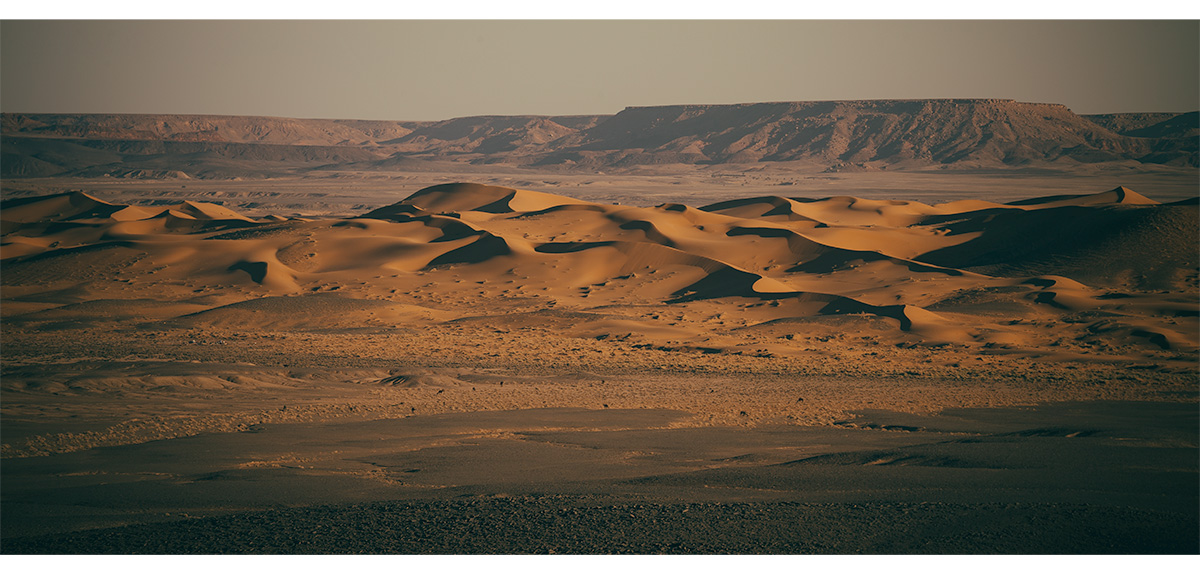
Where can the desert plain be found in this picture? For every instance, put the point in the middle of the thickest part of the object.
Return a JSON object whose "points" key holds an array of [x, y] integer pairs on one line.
{"points": [[453, 352]]}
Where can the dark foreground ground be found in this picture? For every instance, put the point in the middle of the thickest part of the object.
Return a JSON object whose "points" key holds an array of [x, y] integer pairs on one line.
{"points": [[1089, 478], [583, 524], [587, 525]]}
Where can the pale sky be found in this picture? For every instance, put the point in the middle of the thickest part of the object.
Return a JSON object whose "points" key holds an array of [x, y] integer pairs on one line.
{"points": [[432, 70]]}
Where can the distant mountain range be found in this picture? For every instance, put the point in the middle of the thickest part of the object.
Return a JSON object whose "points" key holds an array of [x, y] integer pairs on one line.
{"points": [[824, 136]]}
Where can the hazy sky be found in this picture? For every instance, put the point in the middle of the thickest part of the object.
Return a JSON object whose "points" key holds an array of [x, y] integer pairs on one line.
{"points": [[429, 70]]}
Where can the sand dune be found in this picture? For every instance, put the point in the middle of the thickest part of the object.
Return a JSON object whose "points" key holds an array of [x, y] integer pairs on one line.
{"points": [[459, 197], [1069, 274], [1113, 239], [1120, 195], [73, 206]]}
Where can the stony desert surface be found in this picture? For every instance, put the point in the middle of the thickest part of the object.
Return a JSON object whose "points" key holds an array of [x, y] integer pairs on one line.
{"points": [[453, 342]]}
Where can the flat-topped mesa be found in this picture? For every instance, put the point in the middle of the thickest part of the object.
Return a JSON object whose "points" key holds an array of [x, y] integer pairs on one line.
{"points": [[895, 106], [848, 102], [932, 131]]}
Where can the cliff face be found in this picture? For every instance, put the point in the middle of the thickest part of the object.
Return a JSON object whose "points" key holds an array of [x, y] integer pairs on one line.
{"points": [[983, 132], [207, 128], [961, 133], [88, 145], [1153, 125], [1172, 137]]}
